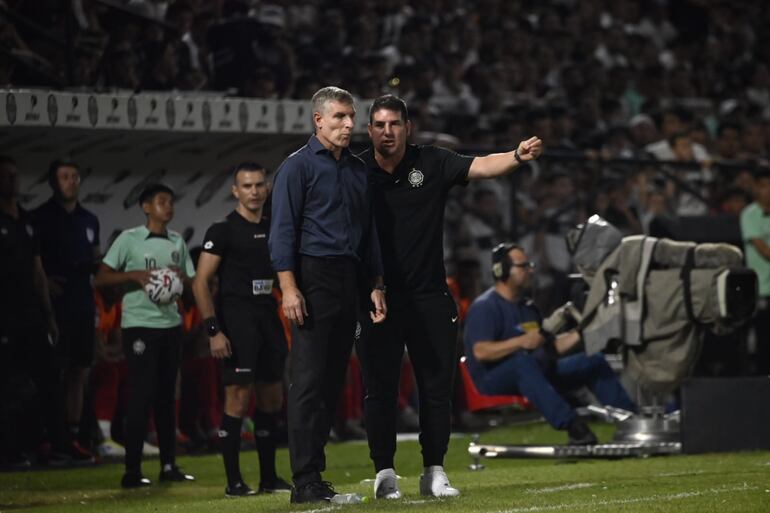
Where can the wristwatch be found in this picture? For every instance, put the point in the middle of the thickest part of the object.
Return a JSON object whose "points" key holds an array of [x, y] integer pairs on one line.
{"points": [[212, 326]]}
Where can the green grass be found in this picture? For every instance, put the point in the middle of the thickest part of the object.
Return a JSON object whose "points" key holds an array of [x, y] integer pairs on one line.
{"points": [[706, 483]]}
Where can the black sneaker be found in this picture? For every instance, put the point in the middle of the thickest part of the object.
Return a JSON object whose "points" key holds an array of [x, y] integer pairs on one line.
{"points": [[174, 474], [314, 491], [239, 489], [277, 485], [580, 434], [131, 480]]}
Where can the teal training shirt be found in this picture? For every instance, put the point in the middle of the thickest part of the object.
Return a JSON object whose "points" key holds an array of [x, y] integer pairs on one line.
{"points": [[137, 249], [755, 224]]}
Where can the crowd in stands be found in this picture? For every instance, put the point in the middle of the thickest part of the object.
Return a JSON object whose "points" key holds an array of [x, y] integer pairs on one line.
{"points": [[577, 71], [676, 80], [650, 110]]}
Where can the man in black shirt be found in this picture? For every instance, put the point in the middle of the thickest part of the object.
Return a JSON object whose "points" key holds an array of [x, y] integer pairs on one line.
{"points": [[250, 339], [28, 331], [411, 184], [69, 249]]}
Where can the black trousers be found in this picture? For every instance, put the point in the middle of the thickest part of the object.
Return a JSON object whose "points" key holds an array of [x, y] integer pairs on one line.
{"points": [[31, 398], [318, 359], [152, 357], [427, 325], [761, 365]]}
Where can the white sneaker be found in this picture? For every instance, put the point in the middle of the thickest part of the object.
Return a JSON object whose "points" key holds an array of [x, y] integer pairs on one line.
{"points": [[435, 483], [111, 449], [386, 485], [150, 450]]}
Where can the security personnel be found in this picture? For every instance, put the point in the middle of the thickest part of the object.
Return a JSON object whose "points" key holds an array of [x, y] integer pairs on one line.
{"points": [[69, 248], [245, 332], [151, 332], [411, 184]]}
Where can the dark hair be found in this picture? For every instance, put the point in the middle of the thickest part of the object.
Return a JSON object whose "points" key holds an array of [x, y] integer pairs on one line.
{"points": [[247, 166], [151, 190], [53, 169], [501, 260], [389, 102]]}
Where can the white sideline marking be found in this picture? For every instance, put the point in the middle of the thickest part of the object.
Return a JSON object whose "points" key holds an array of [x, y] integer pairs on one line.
{"points": [[680, 474], [633, 500], [575, 486], [319, 510]]}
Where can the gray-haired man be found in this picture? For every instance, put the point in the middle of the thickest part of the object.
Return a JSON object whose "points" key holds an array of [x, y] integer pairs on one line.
{"points": [[324, 247]]}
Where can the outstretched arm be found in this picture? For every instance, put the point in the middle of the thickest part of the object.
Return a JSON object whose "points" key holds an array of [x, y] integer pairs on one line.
{"points": [[499, 164]]}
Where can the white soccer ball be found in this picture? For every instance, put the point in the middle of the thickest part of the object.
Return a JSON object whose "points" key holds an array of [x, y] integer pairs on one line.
{"points": [[164, 286]]}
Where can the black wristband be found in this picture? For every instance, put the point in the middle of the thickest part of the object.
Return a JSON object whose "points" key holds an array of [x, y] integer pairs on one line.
{"points": [[517, 156], [382, 288], [212, 326]]}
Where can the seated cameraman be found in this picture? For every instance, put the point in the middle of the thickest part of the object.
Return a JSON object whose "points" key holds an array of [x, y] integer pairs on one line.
{"points": [[508, 351]]}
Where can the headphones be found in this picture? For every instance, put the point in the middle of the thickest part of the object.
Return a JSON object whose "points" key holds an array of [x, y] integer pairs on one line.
{"points": [[501, 260]]}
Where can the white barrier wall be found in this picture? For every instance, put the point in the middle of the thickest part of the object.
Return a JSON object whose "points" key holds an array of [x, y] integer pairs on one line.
{"points": [[123, 141]]}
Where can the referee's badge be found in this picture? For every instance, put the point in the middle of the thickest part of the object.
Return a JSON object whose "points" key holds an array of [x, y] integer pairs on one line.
{"points": [[30, 230], [416, 177], [90, 235], [358, 330], [138, 347]]}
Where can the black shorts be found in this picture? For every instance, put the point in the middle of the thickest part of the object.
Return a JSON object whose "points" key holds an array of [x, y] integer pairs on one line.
{"points": [[257, 342], [77, 338]]}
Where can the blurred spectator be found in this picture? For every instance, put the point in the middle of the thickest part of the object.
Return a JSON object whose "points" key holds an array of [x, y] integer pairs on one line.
{"points": [[728, 144], [733, 201], [754, 142], [687, 188], [615, 206], [162, 67], [676, 122]]}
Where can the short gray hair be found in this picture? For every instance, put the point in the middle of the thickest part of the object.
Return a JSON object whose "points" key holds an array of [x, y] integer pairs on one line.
{"points": [[330, 94]]}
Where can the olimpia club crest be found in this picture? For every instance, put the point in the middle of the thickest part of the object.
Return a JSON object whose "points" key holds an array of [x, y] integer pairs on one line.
{"points": [[416, 178], [138, 347]]}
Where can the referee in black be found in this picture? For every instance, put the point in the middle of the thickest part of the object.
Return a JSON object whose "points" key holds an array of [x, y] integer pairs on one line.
{"points": [[324, 246], [410, 187], [245, 331]]}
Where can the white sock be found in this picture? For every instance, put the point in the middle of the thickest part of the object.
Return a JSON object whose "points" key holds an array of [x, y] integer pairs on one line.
{"points": [[105, 426]]}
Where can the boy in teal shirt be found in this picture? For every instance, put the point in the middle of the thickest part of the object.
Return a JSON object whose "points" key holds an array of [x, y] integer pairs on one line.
{"points": [[151, 332]]}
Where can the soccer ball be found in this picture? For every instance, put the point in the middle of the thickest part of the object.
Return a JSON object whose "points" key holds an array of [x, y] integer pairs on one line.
{"points": [[164, 286]]}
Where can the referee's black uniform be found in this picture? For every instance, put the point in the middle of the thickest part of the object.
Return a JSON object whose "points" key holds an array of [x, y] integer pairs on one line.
{"points": [[409, 211], [245, 304]]}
